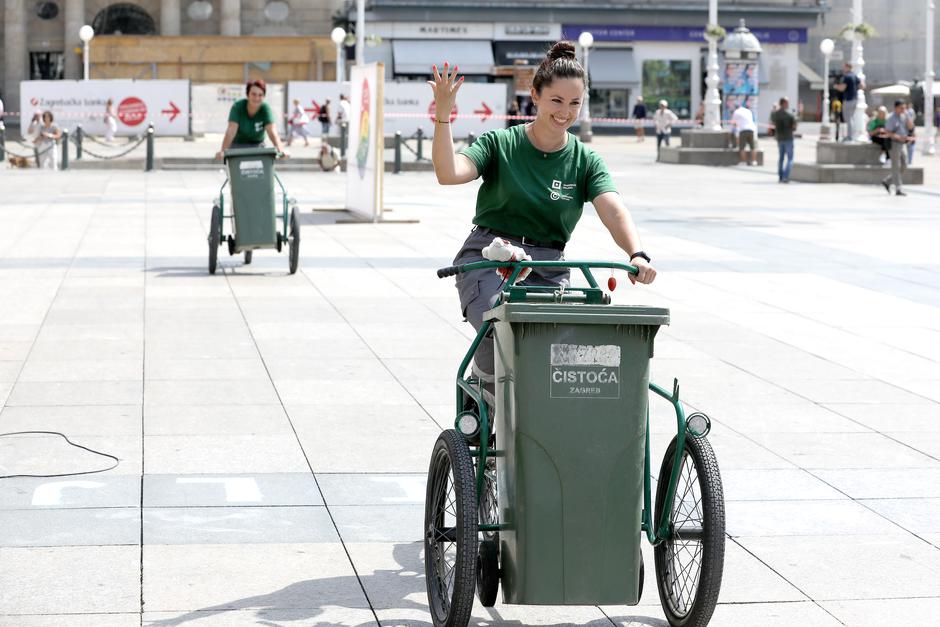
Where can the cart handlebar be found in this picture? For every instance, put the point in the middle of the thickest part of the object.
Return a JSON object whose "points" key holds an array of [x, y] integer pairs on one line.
{"points": [[518, 266]]}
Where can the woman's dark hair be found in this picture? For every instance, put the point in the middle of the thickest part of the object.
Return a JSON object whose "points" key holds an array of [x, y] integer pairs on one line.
{"points": [[48, 114], [559, 62], [259, 83]]}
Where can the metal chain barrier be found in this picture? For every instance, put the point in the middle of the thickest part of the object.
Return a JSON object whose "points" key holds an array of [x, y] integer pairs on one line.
{"points": [[116, 155]]}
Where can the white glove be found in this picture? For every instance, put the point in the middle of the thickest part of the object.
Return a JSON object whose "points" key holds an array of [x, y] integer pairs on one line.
{"points": [[501, 250]]}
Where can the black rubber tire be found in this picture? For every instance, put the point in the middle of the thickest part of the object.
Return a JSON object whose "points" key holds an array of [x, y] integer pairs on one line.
{"points": [[488, 555], [215, 237], [450, 532], [231, 245], [248, 256], [688, 570], [294, 241]]}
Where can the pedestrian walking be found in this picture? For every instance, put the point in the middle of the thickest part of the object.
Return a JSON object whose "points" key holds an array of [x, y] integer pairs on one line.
{"points": [[47, 141], [745, 131], [536, 179], [512, 113], [896, 127], [110, 121], [639, 114], [663, 120], [298, 123], [324, 118], [849, 85], [784, 125], [342, 113]]}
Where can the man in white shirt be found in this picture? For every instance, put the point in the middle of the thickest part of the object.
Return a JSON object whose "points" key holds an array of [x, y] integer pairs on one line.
{"points": [[663, 119], [745, 130]]}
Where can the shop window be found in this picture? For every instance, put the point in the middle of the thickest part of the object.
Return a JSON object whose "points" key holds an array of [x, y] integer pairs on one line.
{"points": [[45, 66], [124, 19], [670, 81], [609, 103], [47, 10]]}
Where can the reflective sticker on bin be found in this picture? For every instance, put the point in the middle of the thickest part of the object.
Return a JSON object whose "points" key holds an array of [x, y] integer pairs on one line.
{"points": [[251, 169], [585, 371]]}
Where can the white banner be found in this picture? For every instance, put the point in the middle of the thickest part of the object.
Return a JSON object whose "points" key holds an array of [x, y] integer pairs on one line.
{"points": [[164, 103], [409, 106], [365, 158], [213, 101]]}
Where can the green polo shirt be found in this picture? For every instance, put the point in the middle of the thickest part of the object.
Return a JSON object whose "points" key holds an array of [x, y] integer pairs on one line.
{"points": [[531, 193], [250, 128]]}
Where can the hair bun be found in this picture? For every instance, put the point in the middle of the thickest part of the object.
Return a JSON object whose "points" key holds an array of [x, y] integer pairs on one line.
{"points": [[562, 50]]}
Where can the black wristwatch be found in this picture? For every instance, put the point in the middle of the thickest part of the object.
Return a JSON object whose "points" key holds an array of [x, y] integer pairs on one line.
{"points": [[640, 254]]}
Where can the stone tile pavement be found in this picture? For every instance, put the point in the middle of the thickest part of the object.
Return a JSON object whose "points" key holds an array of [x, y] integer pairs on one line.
{"points": [[273, 431]]}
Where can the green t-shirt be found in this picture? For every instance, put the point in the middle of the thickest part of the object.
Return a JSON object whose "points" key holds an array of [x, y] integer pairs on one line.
{"points": [[874, 125], [531, 193], [250, 128], [783, 122]]}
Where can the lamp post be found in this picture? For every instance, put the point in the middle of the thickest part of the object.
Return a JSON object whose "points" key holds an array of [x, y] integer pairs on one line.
{"points": [[586, 40], [929, 104], [712, 121], [86, 33], [339, 36], [826, 46], [858, 64], [360, 32]]}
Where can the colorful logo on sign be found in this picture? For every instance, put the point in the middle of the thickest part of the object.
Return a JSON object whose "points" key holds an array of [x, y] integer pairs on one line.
{"points": [[132, 111], [362, 154], [432, 111]]}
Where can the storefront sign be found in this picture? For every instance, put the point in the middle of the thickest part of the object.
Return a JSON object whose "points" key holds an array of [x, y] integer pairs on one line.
{"points": [[433, 30], [520, 52], [676, 33], [528, 31], [137, 104]]}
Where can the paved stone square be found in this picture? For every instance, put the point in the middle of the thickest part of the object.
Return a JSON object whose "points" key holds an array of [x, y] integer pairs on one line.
{"points": [[273, 431]]}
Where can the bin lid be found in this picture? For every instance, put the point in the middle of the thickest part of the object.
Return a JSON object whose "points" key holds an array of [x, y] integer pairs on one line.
{"points": [[250, 152], [579, 313]]}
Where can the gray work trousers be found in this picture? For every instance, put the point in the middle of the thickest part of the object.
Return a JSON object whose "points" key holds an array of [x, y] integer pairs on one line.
{"points": [[848, 114], [898, 164], [479, 289]]}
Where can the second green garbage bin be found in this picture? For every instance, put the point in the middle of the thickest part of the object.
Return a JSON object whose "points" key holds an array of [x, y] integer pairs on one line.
{"points": [[571, 422], [251, 175]]}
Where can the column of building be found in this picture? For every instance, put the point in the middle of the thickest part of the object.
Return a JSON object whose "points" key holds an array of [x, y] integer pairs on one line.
{"points": [[170, 17], [74, 20], [14, 44], [231, 17]]}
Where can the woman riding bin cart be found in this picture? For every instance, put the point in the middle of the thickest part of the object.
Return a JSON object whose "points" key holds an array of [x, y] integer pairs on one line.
{"points": [[552, 457]]}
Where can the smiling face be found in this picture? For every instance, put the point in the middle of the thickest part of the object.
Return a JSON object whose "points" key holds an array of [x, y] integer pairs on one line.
{"points": [[255, 96], [559, 103]]}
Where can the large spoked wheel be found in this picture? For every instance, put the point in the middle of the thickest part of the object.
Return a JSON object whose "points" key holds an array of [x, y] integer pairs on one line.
{"points": [[488, 555], [294, 241], [450, 532], [215, 236], [689, 562]]}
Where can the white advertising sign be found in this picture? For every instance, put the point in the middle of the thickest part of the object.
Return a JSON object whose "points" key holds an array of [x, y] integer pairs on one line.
{"points": [[213, 101], [409, 106], [164, 103], [365, 158]]}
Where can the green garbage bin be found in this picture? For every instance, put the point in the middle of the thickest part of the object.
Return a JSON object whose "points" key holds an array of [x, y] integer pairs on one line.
{"points": [[571, 424], [251, 176]]}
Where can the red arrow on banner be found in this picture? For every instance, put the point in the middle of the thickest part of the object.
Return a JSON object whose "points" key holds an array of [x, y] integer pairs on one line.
{"points": [[173, 111], [485, 112], [315, 111]]}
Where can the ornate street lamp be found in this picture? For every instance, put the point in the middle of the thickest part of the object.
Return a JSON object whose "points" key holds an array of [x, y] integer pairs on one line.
{"points": [[826, 46], [339, 36], [858, 64], [586, 40], [86, 33], [713, 33]]}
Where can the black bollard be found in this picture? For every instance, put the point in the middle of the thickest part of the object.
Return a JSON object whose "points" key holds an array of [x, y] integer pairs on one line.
{"points": [[343, 133], [471, 138], [78, 142], [397, 152], [148, 166], [420, 152], [65, 149], [3, 141]]}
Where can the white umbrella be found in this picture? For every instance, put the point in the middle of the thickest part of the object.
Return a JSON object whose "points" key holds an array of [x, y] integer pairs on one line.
{"points": [[893, 90]]}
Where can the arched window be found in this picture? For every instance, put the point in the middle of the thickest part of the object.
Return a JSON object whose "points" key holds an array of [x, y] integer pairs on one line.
{"points": [[124, 19]]}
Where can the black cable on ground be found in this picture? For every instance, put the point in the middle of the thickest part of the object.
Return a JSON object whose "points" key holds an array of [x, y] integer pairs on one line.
{"points": [[64, 474]]}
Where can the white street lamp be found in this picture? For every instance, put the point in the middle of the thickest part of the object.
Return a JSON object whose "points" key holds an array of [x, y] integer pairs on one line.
{"points": [[929, 104], [360, 32], [86, 33], [339, 36], [586, 40], [712, 121], [858, 64], [826, 46]]}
